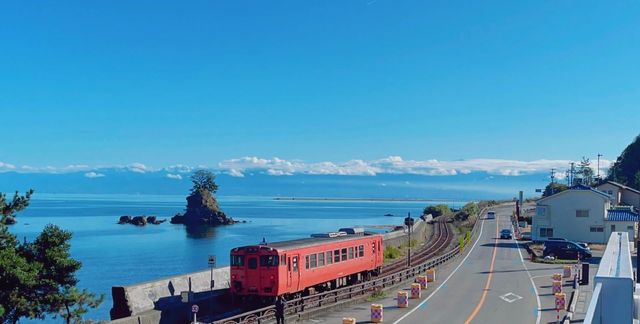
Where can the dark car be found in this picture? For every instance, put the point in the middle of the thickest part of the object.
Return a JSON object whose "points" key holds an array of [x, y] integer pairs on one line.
{"points": [[567, 250], [584, 245], [506, 234]]}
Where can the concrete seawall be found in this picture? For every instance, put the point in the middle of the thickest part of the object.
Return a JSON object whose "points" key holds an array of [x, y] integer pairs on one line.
{"points": [[164, 294], [159, 301]]}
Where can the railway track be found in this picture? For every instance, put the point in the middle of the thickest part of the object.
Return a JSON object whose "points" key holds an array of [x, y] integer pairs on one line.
{"points": [[437, 245], [433, 254]]}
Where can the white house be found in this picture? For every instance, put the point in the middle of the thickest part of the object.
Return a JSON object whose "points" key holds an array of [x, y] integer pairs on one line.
{"points": [[621, 194], [581, 214]]}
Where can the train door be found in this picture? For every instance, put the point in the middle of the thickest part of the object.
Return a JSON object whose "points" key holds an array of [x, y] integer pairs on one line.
{"points": [[253, 274], [293, 272]]}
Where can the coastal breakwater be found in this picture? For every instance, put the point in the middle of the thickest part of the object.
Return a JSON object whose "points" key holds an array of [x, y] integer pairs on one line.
{"points": [[159, 301]]}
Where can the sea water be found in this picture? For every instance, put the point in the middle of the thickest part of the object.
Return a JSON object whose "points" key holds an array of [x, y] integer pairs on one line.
{"points": [[117, 255]]}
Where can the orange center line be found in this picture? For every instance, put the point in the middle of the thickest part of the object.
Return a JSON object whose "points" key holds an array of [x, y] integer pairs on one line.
{"points": [[488, 283]]}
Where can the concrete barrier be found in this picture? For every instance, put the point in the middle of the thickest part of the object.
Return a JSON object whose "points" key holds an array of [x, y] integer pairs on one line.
{"points": [[164, 293]]}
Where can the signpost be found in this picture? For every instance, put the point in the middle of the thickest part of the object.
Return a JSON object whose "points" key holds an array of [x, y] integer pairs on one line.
{"points": [[194, 310], [212, 264]]}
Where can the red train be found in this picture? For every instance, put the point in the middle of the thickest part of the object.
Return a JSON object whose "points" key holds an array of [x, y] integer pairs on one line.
{"points": [[293, 268]]}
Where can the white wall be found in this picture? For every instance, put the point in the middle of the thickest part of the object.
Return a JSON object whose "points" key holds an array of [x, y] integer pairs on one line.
{"points": [[561, 216]]}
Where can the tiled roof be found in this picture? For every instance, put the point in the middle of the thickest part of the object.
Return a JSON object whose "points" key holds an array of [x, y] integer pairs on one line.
{"points": [[621, 215], [619, 185], [583, 187]]}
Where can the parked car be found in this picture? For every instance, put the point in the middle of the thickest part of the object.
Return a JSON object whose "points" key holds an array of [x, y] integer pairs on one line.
{"points": [[564, 249], [491, 214], [506, 234], [584, 245]]}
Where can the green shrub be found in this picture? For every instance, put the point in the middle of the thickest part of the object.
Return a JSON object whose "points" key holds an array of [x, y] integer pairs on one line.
{"points": [[391, 252], [437, 210]]}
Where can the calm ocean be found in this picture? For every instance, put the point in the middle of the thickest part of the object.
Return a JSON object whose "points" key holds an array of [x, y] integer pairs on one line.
{"points": [[113, 254]]}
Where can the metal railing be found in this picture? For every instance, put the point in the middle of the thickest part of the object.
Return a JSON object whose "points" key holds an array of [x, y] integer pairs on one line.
{"points": [[298, 307]]}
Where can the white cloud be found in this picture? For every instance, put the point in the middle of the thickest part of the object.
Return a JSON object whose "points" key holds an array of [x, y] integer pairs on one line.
{"points": [[93, 174], [235, 173], [394, 165], [6, 166], [137, 167], [174, 176]]}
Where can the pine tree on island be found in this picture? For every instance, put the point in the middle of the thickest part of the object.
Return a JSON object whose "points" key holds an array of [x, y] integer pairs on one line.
{"points": [[202, 206]]}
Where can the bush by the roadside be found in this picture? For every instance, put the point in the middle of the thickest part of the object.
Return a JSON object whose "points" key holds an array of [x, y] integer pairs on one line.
{"points": [[437, 210], [391, 252]]}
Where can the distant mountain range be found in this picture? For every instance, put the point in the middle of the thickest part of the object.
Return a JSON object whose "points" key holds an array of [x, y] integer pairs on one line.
{"points": [[471, 186]]}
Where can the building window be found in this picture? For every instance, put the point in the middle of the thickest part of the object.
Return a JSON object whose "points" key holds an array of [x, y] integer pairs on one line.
{"points": [[582, 213], [613, 228], [546, 232], [596, 229], [629, 228]]}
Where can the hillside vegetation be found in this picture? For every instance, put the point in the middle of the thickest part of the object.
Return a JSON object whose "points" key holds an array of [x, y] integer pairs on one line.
{"points": [[626, 169]]}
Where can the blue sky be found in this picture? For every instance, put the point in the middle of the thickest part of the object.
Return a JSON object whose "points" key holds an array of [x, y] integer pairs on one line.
{"points": [[200, 82]]}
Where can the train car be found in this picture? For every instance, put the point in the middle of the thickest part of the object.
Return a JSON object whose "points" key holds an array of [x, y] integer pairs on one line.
{"points": [[294, 268]]}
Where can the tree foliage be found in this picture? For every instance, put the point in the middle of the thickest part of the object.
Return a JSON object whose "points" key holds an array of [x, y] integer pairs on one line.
{"points": [[204, 180], [437, 210], [469, 210], [626, 169], [585, 172], [18, 203], [554, 188], [38, 278]]}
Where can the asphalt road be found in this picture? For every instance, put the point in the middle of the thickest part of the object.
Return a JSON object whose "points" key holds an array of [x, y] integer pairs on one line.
{"points": [[491, 285]]}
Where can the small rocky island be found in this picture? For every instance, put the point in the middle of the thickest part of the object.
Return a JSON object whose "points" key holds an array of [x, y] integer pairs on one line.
{"points": [[140, 220], [202, 206]]}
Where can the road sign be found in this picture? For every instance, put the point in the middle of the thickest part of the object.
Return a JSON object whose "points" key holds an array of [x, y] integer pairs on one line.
{"points": [[195, 308], [212, 260]]}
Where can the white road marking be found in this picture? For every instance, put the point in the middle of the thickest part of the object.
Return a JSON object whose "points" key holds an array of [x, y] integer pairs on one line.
{"points": [[445, 281], [510, 297], [533, 284]]}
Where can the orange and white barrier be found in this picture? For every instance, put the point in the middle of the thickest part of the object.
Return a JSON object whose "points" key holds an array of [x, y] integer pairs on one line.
{"points": [[560, 301], [422, 280], [377, 313], [567, 271], [557, 286], [416, 291], [348, 320], [431, 275], [403, 299]]}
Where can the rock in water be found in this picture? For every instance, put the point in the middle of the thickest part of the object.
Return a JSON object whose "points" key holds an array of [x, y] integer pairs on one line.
{"points": [[139, 221], [202, 209], [9, 220], [124, 219]]}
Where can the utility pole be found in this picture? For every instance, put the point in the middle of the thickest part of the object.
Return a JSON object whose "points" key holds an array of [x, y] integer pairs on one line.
{"points": [[553, 179], [598, 174], [573, 171]]}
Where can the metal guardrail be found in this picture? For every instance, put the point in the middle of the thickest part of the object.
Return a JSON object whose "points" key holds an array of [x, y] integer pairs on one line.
{"points": [[298, 307]]}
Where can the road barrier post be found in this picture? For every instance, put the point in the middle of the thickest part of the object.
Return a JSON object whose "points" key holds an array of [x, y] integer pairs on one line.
{"points": [[403, 299], [377, 313]]}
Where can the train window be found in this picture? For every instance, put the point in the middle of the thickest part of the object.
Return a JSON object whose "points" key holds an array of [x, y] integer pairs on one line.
{"points": [[350, 253], [361, 251], [237, 260], [336, 256], [294, 262], [306, 262], [268, 260], [329, 257], [253, 263], [320, 259], [283, 259], [314, 261], [344, 254]]}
